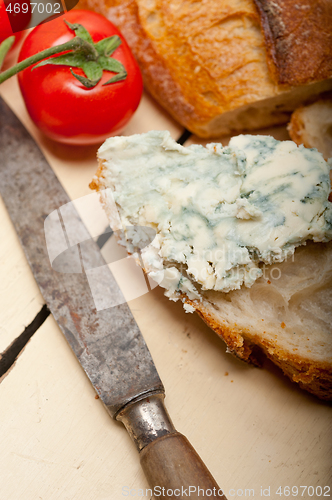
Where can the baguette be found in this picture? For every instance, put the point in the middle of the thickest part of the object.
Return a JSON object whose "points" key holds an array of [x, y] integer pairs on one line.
{"points": [[278, 303], [223, 66]]}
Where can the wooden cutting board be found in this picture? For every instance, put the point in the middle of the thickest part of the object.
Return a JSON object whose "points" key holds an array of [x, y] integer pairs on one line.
{"points": [[258, 433]]}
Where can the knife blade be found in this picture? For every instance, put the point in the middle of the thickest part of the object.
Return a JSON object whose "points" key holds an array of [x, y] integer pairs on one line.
{"points": [[107, 343]]}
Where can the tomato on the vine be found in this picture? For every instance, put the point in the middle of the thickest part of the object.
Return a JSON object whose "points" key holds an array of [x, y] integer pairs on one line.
{"points": [[59, 104], [20, 18]]}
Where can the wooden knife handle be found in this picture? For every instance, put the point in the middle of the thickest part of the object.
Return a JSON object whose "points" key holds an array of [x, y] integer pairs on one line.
{"points": [[175, 471]]}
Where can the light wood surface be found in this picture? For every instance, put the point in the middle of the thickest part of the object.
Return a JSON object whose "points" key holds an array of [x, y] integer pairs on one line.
{"points": [[20, 298], [253, 428]]}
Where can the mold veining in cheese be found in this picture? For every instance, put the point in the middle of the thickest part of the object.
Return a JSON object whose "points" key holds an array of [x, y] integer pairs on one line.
{"points": [[219, 212]]}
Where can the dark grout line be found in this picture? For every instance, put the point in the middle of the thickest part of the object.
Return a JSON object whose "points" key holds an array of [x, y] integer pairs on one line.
{"points": [[103, 238], [184, 137], [9, 355]]}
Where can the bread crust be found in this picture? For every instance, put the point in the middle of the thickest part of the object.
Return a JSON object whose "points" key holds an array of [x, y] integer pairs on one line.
{"points": [[312, 126], [298, 38], [209, 63]]}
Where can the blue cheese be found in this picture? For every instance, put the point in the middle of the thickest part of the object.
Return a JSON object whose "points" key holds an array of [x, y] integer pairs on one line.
{"points": [[218, 212]]}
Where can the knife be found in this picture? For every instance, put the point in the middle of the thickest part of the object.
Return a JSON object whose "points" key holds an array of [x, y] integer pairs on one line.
{"points": [[107, 343]]}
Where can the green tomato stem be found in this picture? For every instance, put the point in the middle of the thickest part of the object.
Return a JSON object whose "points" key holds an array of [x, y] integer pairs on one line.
{"points": [[4, 48], [75, 43]]}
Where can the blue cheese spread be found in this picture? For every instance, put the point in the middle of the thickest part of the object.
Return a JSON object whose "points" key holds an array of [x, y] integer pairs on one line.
{"points": [[218, 212]]}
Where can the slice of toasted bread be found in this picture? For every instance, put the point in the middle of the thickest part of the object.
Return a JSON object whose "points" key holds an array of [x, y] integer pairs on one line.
{"points": [[285, 311]]}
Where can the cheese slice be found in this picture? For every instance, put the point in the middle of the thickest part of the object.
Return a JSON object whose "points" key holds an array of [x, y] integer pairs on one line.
{"points": [[219, 213]]}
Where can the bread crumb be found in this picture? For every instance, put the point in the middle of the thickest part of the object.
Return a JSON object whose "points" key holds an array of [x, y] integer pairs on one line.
{"points": [[283, 325], [96, 396], [226, 374], [268, 282], [232, 380]]}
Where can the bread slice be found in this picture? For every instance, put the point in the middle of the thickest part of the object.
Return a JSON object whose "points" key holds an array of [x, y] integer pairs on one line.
{"points": [[223, 66], [312, 126], [287, 315], [258, 300]]}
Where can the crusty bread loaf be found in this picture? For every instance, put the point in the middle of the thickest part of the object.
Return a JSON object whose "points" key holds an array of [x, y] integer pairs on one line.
{"points": [[222, 66], [287, 313], [312, 126]]}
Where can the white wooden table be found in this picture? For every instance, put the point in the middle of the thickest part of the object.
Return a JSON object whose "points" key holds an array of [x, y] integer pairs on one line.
{"points": [[255, 430]]}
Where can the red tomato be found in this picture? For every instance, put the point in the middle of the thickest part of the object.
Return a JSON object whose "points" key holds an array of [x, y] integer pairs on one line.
{"points": [[59, 104], [20, 20]]}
